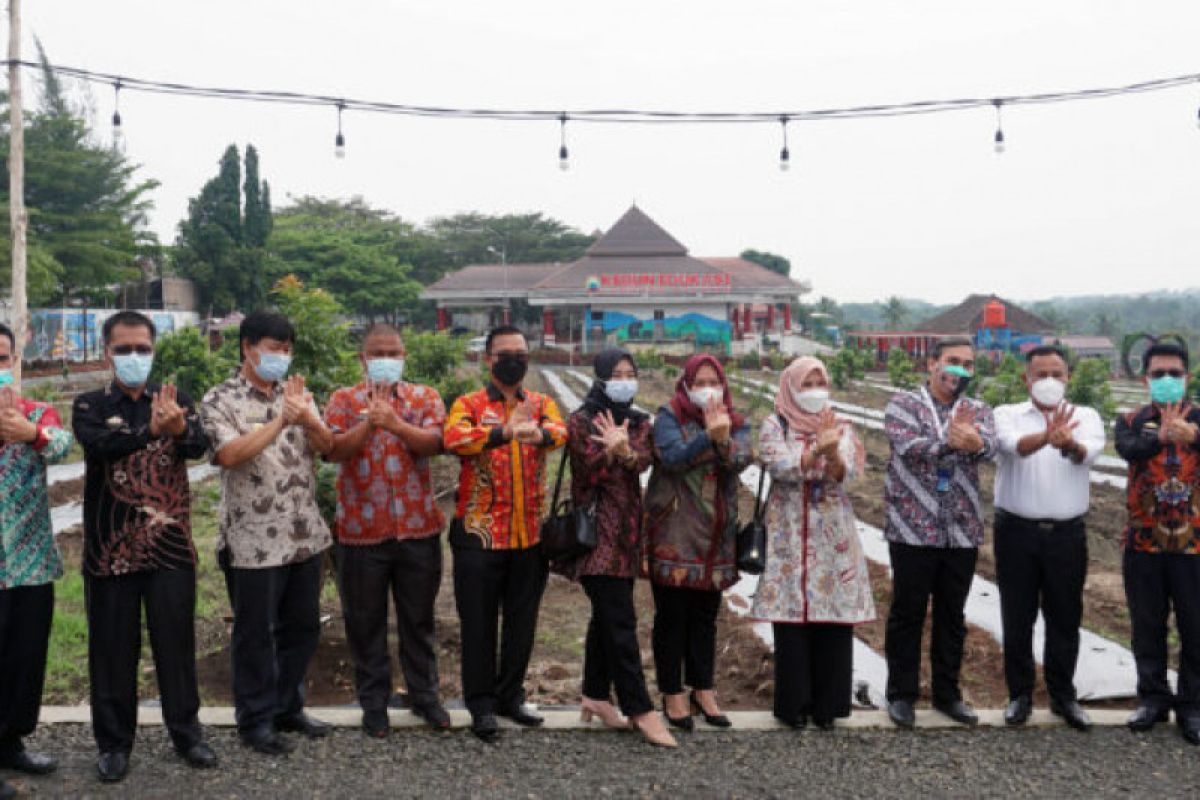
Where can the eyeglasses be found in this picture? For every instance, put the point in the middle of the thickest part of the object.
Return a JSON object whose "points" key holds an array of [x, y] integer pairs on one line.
{"points": [[127, 349], [1166, 373]]}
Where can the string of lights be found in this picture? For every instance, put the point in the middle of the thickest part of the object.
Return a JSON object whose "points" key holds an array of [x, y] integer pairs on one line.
{"points": [[609, 115]]}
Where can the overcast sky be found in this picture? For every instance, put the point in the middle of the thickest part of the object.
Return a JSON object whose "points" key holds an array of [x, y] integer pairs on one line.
{"points": [[1091, 197]]}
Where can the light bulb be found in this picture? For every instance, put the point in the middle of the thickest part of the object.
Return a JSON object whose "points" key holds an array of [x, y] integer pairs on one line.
{"points": [[999, 145], [785, 160], [564, 160], [339, 146]]}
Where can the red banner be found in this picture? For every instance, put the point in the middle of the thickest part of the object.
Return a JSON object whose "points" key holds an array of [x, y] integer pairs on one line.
{"points": [[666, 280]]}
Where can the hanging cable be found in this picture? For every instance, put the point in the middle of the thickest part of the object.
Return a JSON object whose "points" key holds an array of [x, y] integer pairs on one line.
{"points": [[339, 141], [117, 133], [785, 157], [998, 140], [564, 157]]}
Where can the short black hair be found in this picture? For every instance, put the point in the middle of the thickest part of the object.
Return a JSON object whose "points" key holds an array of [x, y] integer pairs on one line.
{"points": [[1166, 349], [265, 325], [130, 319], [381, 329], [502, 330], [7, 331], [942, 345], [1047, 350]]}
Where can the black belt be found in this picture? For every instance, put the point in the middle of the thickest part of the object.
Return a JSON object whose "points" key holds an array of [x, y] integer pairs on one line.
{"points": [[1040, 524]]}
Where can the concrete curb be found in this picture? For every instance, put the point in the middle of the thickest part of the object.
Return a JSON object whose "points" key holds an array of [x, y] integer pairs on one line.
{"points": [[567, 719]]}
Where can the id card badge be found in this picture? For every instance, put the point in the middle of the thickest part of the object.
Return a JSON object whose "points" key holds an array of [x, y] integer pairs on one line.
{"points": [[943, 479]]}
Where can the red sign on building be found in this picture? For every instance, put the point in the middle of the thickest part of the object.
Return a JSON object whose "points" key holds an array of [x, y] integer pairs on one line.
{"points": [[666, 280]]}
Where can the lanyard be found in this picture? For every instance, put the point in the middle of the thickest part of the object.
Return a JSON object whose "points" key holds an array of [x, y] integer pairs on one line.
{"points": [[942, 427]]}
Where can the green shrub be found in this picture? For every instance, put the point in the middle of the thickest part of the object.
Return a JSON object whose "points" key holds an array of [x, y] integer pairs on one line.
{"points": [[902, 373], [183, 358], [323, 352], [1007, 385], [439, 360], [1089, 387]]}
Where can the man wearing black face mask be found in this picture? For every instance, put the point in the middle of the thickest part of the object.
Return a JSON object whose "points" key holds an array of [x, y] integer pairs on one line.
{"points": [[502, 433], [934, 525]]}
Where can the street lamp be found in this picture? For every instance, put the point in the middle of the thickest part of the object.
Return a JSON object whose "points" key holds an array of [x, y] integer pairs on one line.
{"points": [[503, 253]]}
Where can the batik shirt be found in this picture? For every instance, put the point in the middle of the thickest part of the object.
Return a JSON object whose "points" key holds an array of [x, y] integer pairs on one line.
{"points": [[1163, 489], [931, 492], [501, 488], [28, 555], [384, 491], [269, 515], [136, 503]]}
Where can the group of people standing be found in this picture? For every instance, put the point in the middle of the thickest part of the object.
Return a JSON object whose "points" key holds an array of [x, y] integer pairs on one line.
{"points": [[263, 430]]}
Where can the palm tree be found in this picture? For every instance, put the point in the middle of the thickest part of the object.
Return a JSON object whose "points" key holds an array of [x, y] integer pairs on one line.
{"points": [[895, 312]]}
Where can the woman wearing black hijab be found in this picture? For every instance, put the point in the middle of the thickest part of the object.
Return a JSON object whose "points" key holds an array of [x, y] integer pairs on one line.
{"points": [[610, 447]]}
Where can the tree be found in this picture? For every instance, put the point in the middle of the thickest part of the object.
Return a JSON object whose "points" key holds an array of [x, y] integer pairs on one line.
{"points": [[87, 211], [771, 261], [895, 312], [902, 372], [1089, 386], [218, 246], [347, 249], [323, 352], [524, 238], [184, 358]]}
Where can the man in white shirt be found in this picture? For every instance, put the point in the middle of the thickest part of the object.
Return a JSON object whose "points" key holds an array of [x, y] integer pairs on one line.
{"points": [[1045, 449]]}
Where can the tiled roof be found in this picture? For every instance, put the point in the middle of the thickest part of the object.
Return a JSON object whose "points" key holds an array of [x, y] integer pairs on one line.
{"points": [[490, 277], [967, 317], [635, 234]]}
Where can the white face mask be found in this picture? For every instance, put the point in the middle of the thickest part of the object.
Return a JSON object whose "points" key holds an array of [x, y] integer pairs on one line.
{"points": [[621, 391], [702, 397], [813, 401], [1048, 392]]}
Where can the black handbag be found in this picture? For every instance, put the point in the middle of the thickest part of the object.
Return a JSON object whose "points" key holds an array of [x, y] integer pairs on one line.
{"points": [[568, 532], [752, 538]]}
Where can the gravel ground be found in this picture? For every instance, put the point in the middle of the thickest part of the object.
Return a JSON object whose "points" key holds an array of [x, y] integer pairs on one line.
{"points": [[555, 764]]}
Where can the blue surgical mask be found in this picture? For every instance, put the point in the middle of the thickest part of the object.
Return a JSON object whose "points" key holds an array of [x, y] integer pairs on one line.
{"points": [[273, 367], [385, 370], [133, 369], [621, 391], [6, 378], [1167, 389]]}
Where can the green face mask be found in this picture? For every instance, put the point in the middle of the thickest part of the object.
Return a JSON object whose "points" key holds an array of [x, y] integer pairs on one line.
{"points": [[1167, 389], [955, 379]]}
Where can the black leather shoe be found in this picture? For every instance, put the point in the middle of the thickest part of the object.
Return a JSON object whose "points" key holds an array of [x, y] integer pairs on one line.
{"points": [[1146, 716], [7, 790], [434, 714], [486, 728], [797, 724], [959, 712], [682, 723], [1018, 711], [112, 767], [268, 742], [902, 713], [311, 727], [1072, 713], [200, 756], [375, 723], [823, 724], [523, 716], [1190, 728], [29, 763], [716, 720]]}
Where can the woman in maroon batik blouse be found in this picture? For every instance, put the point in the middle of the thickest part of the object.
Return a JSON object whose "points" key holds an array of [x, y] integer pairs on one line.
{"points": [[609, 444]]}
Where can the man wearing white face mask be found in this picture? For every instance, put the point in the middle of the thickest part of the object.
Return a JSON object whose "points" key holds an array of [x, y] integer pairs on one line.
{"points": [[1045, 448], [138, 553], [265, 434], [385, 430]]}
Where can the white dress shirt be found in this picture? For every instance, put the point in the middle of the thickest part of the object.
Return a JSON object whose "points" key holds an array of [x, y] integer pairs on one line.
{"points": [[1044, 484]]}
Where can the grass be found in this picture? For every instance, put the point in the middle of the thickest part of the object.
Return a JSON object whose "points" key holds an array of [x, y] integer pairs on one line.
{"points": [[66, 664]]}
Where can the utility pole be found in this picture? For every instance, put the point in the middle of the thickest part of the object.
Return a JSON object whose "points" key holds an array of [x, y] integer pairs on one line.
{"points": [[16, 187]]}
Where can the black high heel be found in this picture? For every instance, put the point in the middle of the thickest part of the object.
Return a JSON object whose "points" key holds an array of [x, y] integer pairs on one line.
{"points": [[716, 720], [683, 723]]}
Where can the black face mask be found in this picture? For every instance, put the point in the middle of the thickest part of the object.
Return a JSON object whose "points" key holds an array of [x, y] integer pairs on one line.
{"points": [[510, 370]]}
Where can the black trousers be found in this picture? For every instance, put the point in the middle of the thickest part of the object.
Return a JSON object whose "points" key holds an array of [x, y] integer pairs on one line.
{"points": [[488, 583], [612, 657], [276, 628], [685, 637], [814, 667], [410, 571], [1156, 583], [919, 574], [114, 615], [1040, 565], [25, 616]]}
